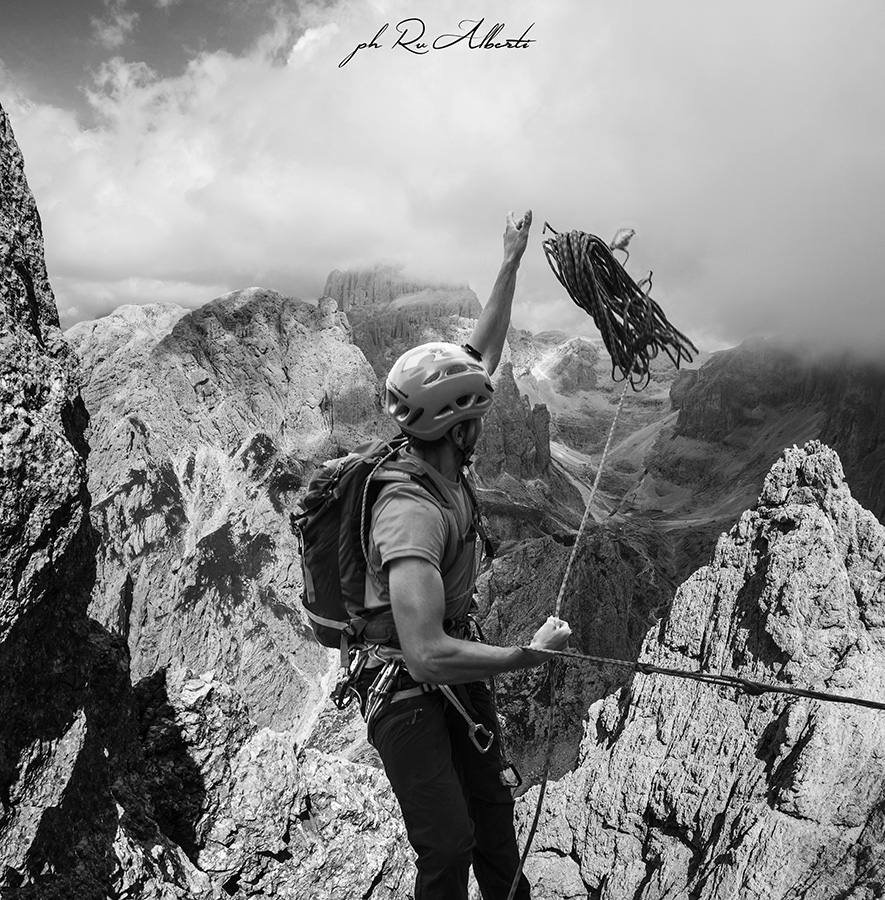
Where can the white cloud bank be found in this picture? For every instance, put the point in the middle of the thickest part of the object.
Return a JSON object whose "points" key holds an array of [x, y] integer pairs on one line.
{"points": [[744, 142]]}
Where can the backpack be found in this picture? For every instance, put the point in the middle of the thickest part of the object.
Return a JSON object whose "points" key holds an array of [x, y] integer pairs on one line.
{"points": [[332, 526]]}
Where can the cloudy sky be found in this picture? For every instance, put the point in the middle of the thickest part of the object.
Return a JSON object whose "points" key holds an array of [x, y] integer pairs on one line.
{"points": [[179, 149]]}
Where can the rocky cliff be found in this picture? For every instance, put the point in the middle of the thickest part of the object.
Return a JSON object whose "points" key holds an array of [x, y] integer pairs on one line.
{"points": [[171, 789], [73, 804], [203, 427], [390, 313], [685, 789]]}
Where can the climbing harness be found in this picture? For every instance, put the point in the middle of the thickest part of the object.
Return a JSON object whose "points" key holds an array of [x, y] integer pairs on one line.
{"points": [[632, 325], [382, 693]]}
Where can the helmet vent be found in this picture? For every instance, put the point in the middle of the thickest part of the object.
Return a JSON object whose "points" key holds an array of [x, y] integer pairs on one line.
{"points": [[434, 376], [465, 401], [456, 369]]}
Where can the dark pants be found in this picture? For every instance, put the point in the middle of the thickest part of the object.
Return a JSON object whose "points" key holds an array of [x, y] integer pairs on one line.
{"points": [[455, 808]]}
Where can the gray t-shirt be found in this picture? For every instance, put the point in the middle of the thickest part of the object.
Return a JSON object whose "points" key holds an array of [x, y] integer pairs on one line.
{"points": [[408, 522]]}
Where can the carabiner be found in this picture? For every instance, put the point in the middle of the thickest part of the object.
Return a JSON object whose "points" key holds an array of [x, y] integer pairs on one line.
{"points": [[379, 693], [478, 726], [344, 693]]}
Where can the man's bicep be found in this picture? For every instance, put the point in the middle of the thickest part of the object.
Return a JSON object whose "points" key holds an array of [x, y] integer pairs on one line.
{"points": [[417, 598]]}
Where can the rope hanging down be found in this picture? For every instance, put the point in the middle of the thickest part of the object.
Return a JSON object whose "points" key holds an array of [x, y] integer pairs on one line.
{"points": [[634, 330], [632, 325]]}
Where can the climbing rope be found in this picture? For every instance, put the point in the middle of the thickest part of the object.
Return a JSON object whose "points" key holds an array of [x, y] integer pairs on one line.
{"points": [[551, 708], [634, 330], [753, 688], [632, 325]]}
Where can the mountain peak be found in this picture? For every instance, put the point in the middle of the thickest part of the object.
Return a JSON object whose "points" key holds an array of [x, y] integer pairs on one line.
{"points": [[380, 286], [706, 791]]}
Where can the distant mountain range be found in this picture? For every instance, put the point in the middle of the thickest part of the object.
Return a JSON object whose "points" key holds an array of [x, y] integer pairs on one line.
{"points": [[164, 727]]}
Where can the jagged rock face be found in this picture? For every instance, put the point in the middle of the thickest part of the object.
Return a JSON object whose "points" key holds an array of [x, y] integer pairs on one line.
{"points": [[613, 593], [256, 814], [685, 789], [574, 366], [516, 435], [204, 427], [758, 397], [42, 476], [391, 313], [74, 815]]}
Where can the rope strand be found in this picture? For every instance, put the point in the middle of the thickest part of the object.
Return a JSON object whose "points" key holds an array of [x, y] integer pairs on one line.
{"points": [[748, 686], [551, 673], [634, 330]]}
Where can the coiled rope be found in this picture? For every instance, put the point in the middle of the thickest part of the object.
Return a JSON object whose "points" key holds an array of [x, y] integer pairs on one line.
{"points": [[633, 327]]}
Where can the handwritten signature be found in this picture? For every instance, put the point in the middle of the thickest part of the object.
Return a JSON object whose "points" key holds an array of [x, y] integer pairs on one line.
{"points": [[411, 36]]}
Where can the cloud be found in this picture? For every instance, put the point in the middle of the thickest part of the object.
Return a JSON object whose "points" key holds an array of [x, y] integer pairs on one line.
{"points": [[113, 31], [745, 148]]}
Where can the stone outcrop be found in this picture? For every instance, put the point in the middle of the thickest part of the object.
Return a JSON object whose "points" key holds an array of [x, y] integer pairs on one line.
{"points": [[204, 427], [390, 313], [261, 816], [74, 815], [686, 789]]}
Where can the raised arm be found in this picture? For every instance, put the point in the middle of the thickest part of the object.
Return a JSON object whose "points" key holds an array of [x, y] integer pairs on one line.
{"points": [[491, 329]]}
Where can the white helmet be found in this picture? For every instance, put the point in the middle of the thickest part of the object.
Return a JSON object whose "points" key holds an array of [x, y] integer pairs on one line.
{"points": [[433, 387]]}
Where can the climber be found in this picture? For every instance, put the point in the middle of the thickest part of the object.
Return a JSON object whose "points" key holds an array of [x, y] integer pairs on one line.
{"points": [[446, 775]]}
